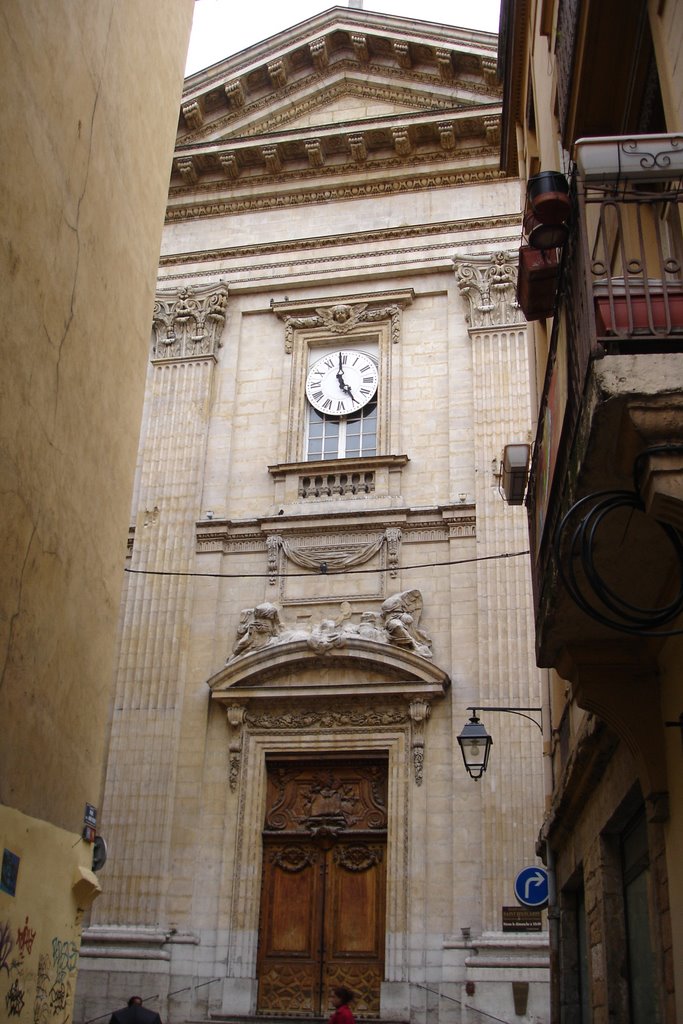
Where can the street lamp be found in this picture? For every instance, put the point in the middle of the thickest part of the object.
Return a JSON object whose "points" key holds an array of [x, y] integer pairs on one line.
{"points": [[476, 743]]}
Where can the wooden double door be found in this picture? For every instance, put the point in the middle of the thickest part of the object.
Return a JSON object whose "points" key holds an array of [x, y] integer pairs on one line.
{"points": [[322, 918]]}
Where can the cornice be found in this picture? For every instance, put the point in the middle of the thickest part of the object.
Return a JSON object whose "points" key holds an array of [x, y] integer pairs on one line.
{"points": [[483, 155], [424, 92], [352, 238], [420, 182]]}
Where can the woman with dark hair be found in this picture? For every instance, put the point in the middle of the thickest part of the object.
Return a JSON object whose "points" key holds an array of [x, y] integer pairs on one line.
{"points": [[341, 997]]}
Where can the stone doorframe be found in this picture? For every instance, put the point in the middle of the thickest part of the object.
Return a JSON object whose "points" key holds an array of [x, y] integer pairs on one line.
{"points": [[383, 713]]}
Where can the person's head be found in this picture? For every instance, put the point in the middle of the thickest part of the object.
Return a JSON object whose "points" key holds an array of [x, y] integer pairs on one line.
{"points": [[135, 1001], [341, 995]]}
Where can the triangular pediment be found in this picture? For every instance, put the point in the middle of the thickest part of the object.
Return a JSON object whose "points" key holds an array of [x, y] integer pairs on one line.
{"points": [[346, 89], [350, 103]]}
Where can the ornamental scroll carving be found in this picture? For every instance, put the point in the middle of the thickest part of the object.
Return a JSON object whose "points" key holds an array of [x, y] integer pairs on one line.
{"points": [[293, 859], [420, 711], [357, 857], [318, 802], [188, 323], [236, 718], [489, 282], [396, 623], [340, 319]]}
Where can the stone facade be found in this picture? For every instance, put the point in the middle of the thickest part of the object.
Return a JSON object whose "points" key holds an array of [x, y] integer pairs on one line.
{"points": [[335, 191], [88, 114]]}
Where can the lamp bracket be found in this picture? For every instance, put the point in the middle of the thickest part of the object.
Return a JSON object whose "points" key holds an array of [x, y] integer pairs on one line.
{"points": [[515, 711]]}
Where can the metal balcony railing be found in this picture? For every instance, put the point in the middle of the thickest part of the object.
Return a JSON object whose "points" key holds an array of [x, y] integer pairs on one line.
{"points": [[620, 291]]}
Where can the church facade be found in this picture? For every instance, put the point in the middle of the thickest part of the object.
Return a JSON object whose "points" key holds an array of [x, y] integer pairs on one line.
{"points": [[323, 576]]}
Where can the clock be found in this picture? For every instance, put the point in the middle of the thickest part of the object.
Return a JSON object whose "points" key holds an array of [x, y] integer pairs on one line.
{"points": [[342, 383]]}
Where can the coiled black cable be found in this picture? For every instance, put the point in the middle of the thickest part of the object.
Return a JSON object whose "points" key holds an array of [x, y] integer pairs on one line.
{"points": [[577, 547]]}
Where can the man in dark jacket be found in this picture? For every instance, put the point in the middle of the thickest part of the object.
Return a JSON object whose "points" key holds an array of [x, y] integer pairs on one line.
{"points": [[135, 1013]]}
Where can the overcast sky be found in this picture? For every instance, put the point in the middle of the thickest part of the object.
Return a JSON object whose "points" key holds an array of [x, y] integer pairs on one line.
{"points": [[223, 27]]}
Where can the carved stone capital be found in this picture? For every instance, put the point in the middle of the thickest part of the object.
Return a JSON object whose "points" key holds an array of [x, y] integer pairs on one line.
{"points": [[188, 323], [489, 283]]}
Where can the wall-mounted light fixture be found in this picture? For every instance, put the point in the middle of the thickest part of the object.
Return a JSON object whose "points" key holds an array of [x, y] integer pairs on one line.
{"points": [[514, 472], [476, 743]]}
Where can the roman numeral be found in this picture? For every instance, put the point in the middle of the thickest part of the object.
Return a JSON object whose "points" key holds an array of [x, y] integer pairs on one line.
{"points": [[328, 362], [317, 395], [364, 368], [344, 358], [364, 391], [327, 404], [368, 380], [340, 407]]}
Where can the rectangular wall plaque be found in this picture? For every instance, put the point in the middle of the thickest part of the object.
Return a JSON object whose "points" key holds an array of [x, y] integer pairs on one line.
{"points": [[521, 919]]}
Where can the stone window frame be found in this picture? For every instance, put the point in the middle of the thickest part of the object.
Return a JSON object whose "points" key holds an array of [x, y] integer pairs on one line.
{"points": [[317, 324]]}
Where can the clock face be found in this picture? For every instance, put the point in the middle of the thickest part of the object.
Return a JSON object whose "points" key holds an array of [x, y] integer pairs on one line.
{"points": [[342, 382]]}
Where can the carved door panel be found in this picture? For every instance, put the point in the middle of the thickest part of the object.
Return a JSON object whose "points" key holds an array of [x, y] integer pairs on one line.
{"points": [[290, 930], [322, 895], [353, 953], [322, 924]]}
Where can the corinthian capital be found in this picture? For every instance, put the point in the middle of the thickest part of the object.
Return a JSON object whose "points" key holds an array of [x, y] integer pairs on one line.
{"points": [[489, 283], [188, 323]]}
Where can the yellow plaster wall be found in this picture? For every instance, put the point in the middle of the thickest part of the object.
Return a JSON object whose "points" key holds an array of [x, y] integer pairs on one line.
{"points": [[40, 923]]}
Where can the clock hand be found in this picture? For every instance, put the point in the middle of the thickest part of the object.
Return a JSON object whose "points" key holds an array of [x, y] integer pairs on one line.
{"points": [[340, 373], [347, 390]]}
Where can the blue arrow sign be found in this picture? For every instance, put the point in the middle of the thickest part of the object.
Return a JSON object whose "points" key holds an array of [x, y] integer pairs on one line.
{"points": [[531, 887]]}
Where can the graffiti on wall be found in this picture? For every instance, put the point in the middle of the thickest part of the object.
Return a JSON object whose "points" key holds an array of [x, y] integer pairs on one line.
{"points": [[47, 985]]}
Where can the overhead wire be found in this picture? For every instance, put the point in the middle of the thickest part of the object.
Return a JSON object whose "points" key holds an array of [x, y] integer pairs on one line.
{"points": [[324, 569]]}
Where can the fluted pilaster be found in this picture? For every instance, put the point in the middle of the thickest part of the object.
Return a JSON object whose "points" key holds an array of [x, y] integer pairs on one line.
{"points": [[512, 796], [156, 613]]}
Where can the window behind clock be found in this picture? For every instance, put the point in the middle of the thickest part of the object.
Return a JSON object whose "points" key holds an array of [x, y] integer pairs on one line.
{"points": [[342, 437]]}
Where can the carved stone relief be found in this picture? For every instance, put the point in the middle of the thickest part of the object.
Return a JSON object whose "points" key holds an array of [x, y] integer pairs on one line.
{"points": [[489, 282], [396, 623], [340, 319], [331, 559], [420, 711], [188, 323]]}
